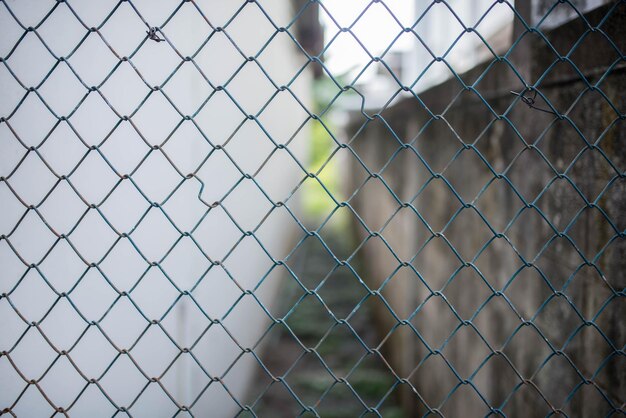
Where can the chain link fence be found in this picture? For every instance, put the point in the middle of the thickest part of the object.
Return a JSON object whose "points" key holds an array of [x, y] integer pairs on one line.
{"points": [[312, 208]]}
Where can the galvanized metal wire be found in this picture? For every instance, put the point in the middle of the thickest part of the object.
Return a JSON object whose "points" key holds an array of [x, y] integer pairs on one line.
{"points": [[531, 95]]}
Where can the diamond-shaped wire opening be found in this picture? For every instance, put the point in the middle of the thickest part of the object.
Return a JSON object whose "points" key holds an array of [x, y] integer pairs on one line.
{"points": [[123, 311], [123, 30], [389, 261], [375, 217], [467, 307], [216, 351], [527, 290], [372, 307], [245, 307], [498, 263], [92, 398], [32, 397], [341, 349], [156, 178], [604, 173], [82, 297], [31, 59], [499, 368], [402, 279], [561, 45], [592, 105], [497, 322], [80, 237], [342, 291], [153, 395], [184, 364], [468, 397], [216, 292], [309, 332], [237, 29], [434, 306], [604, 228], [62, 91], [238, 204], [241, 389], [604, 374], [62, 208], [154, 294], [588, 393], [93, 120], [443, 380], [82, 355], [62, 336], [250, 76], [92, 61], [215, 397], [33, 134], [311, 376], [610, 308], [33, 342], [426, 262], [187, 147], [177, 29], [525, 222], [123, 381], [371, 379], [251, 249], [557, 393], [124, 89], [557, 320], [467, 365], [188, 89], [124, 159], [62, 383], [29, 284], [92, 178]]}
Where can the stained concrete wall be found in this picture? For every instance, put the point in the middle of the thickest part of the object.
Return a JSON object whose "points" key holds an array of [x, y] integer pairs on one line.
{"points": [[534, 270]]}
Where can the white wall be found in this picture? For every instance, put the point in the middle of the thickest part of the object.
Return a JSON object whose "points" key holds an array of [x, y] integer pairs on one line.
{"points": [[93, 179]]}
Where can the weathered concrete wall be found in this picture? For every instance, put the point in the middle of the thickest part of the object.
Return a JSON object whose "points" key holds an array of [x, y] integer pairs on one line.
{"points": [[534, 270]]}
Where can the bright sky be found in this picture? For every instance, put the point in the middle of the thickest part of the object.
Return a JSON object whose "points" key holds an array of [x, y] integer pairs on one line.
{"points": [[375, 29]]}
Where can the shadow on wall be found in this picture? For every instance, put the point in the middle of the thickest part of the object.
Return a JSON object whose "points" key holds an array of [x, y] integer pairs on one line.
{"points": [[527, 258]]}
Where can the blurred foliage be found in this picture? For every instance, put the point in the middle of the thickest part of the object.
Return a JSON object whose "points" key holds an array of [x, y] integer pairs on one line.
{"points": [[318, 200]]}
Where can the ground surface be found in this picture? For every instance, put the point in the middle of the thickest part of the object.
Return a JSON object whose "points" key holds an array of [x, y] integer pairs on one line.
{"points": [[338, 347]]}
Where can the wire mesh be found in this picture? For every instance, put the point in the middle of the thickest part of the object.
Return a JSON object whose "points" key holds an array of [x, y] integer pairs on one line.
{"points": [[21, 209]]}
